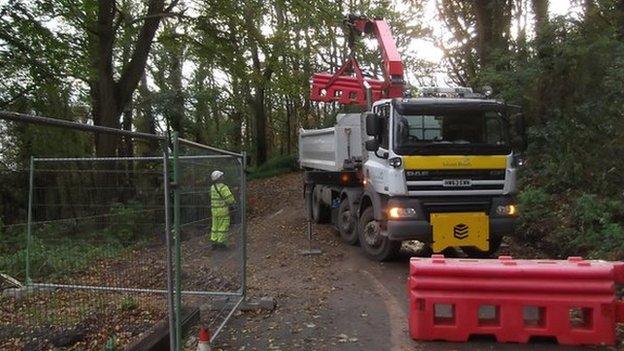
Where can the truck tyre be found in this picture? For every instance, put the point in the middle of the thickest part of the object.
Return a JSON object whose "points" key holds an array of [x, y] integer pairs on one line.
{"points": [[347, 223], [320, 212], [375, 245], [473, 252]]}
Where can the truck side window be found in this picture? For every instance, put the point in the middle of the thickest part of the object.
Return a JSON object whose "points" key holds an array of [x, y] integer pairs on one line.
{"points": [[493, 129], [384, 113]]}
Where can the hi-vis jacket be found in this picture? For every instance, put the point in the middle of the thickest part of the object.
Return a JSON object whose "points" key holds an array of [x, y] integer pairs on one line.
{"points": [[220, 198]]}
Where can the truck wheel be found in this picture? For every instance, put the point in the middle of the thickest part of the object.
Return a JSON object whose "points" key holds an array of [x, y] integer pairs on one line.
{"points": [[473, 252], [375, 245], [347, 224], [320, 212]]}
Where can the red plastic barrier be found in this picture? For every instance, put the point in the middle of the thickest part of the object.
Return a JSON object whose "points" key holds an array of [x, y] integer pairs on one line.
{"points": [[514, 300]]}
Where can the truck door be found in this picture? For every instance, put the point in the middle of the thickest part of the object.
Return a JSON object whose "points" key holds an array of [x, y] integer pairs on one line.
{"points": [[377, 163]]}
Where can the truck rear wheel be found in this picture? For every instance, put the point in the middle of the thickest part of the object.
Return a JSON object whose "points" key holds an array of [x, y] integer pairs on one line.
{"points": [[473, 252], [347, 224], [375, 245], [320, 212]]}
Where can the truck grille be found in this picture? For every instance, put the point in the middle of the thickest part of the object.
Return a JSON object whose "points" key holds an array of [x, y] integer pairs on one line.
{"points": [[448, 180], [438, 205]]}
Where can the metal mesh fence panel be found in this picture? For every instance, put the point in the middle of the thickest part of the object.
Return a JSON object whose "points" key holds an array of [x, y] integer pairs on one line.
{"points": [[211, 226], [94, 255]]}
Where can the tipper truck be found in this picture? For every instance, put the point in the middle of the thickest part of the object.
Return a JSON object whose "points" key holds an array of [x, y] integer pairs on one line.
{"points": [[440, 168]]}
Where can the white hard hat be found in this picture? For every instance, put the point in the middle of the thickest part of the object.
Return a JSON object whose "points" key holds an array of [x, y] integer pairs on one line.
{"points": [[216, 175]]}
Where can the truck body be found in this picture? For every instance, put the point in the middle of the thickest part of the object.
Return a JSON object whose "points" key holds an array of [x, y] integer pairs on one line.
{"points": [[437, 170]]}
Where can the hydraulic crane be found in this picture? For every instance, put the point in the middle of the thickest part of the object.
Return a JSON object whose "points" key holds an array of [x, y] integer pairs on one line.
{"points": [[348, 86]]}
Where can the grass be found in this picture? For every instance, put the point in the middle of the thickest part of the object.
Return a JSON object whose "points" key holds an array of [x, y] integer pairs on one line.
{"points": [[57, 258], [274, 167], [65, 247]]}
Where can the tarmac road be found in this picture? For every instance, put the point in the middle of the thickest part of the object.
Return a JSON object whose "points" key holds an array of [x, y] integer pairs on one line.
{"points": [[379, 291], [338, 300]]}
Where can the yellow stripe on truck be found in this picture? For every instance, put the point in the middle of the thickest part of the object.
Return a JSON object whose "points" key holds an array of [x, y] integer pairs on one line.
{"points": [[455, 162]]}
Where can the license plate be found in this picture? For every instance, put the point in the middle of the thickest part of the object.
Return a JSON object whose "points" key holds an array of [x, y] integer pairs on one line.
{"points": [[457, 182], [460, 229]]}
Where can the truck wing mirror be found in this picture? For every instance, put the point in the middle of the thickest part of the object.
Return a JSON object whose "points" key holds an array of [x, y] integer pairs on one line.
{"points": [[373, 124], [372, 145]]}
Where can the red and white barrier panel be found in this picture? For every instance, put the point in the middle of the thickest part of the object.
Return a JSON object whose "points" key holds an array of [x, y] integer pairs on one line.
{"points": [[515, 300]]}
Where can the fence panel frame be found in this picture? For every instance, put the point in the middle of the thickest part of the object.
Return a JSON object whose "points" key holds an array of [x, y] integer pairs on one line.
{"points": [[163, 142], [168, 237], [241, 158], [172, 230]]}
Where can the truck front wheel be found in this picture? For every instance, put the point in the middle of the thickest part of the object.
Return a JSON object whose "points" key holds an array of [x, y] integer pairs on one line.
{"points": [[347, 223], [375, 245]]}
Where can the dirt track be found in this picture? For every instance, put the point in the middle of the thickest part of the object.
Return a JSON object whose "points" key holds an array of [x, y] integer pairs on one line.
{"points": [[336, 301]]}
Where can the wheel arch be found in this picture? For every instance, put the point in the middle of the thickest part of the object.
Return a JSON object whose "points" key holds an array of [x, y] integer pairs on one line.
{"points": [[353, 195], [374, 199]]}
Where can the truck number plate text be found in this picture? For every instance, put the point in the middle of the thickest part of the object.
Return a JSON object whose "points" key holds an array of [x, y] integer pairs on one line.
{"points": [[457, 182]]}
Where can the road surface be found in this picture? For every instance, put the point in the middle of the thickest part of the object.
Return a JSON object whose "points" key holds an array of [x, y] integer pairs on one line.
{"points": [[338, 300]]}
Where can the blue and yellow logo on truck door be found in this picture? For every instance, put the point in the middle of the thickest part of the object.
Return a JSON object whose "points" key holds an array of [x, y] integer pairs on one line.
{"points": [[455, 162]]}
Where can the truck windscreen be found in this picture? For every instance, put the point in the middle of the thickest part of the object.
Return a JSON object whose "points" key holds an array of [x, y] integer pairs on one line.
{"points": [[465, 132]]}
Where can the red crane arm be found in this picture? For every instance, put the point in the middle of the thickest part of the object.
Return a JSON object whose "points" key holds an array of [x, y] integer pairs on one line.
{"points": [[349, 88]]}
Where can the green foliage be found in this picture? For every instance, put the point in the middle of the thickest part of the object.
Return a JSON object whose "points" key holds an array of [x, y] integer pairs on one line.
{"points": [[571, 224], [56, 258], [60, 249], [129, 303], [11, 237], [569, 80], [126, 221], [274, 166], [111, 344]]}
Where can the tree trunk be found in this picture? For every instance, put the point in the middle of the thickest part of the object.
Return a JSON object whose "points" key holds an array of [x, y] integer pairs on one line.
{"points": [[493, 19], [260, 125], [127, 149], [105, 114], [619, 13], [103, 89], [483, 14], [540, 10], [111, 97], [146, 123], [258, 103], [177, 103]]}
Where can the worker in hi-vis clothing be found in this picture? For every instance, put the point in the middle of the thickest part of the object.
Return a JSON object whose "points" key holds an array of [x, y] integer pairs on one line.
{"points": [[220, 198]]}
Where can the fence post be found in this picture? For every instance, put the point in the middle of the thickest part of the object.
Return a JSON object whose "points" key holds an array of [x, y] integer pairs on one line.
{"points": [[169, 265], [31, 184], [178, 240], [243, 207]]}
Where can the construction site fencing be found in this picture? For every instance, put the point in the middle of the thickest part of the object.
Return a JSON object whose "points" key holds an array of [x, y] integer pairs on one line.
{"points": [[94, 253], [209, 239], [113, 245]]}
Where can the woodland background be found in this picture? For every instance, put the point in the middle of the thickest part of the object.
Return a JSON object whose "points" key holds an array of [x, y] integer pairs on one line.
{"points": [[235, 74]]}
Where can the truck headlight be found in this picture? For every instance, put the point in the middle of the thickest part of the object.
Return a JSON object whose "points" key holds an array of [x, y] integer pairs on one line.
{"points": [[507, 210], [399, 212]]}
